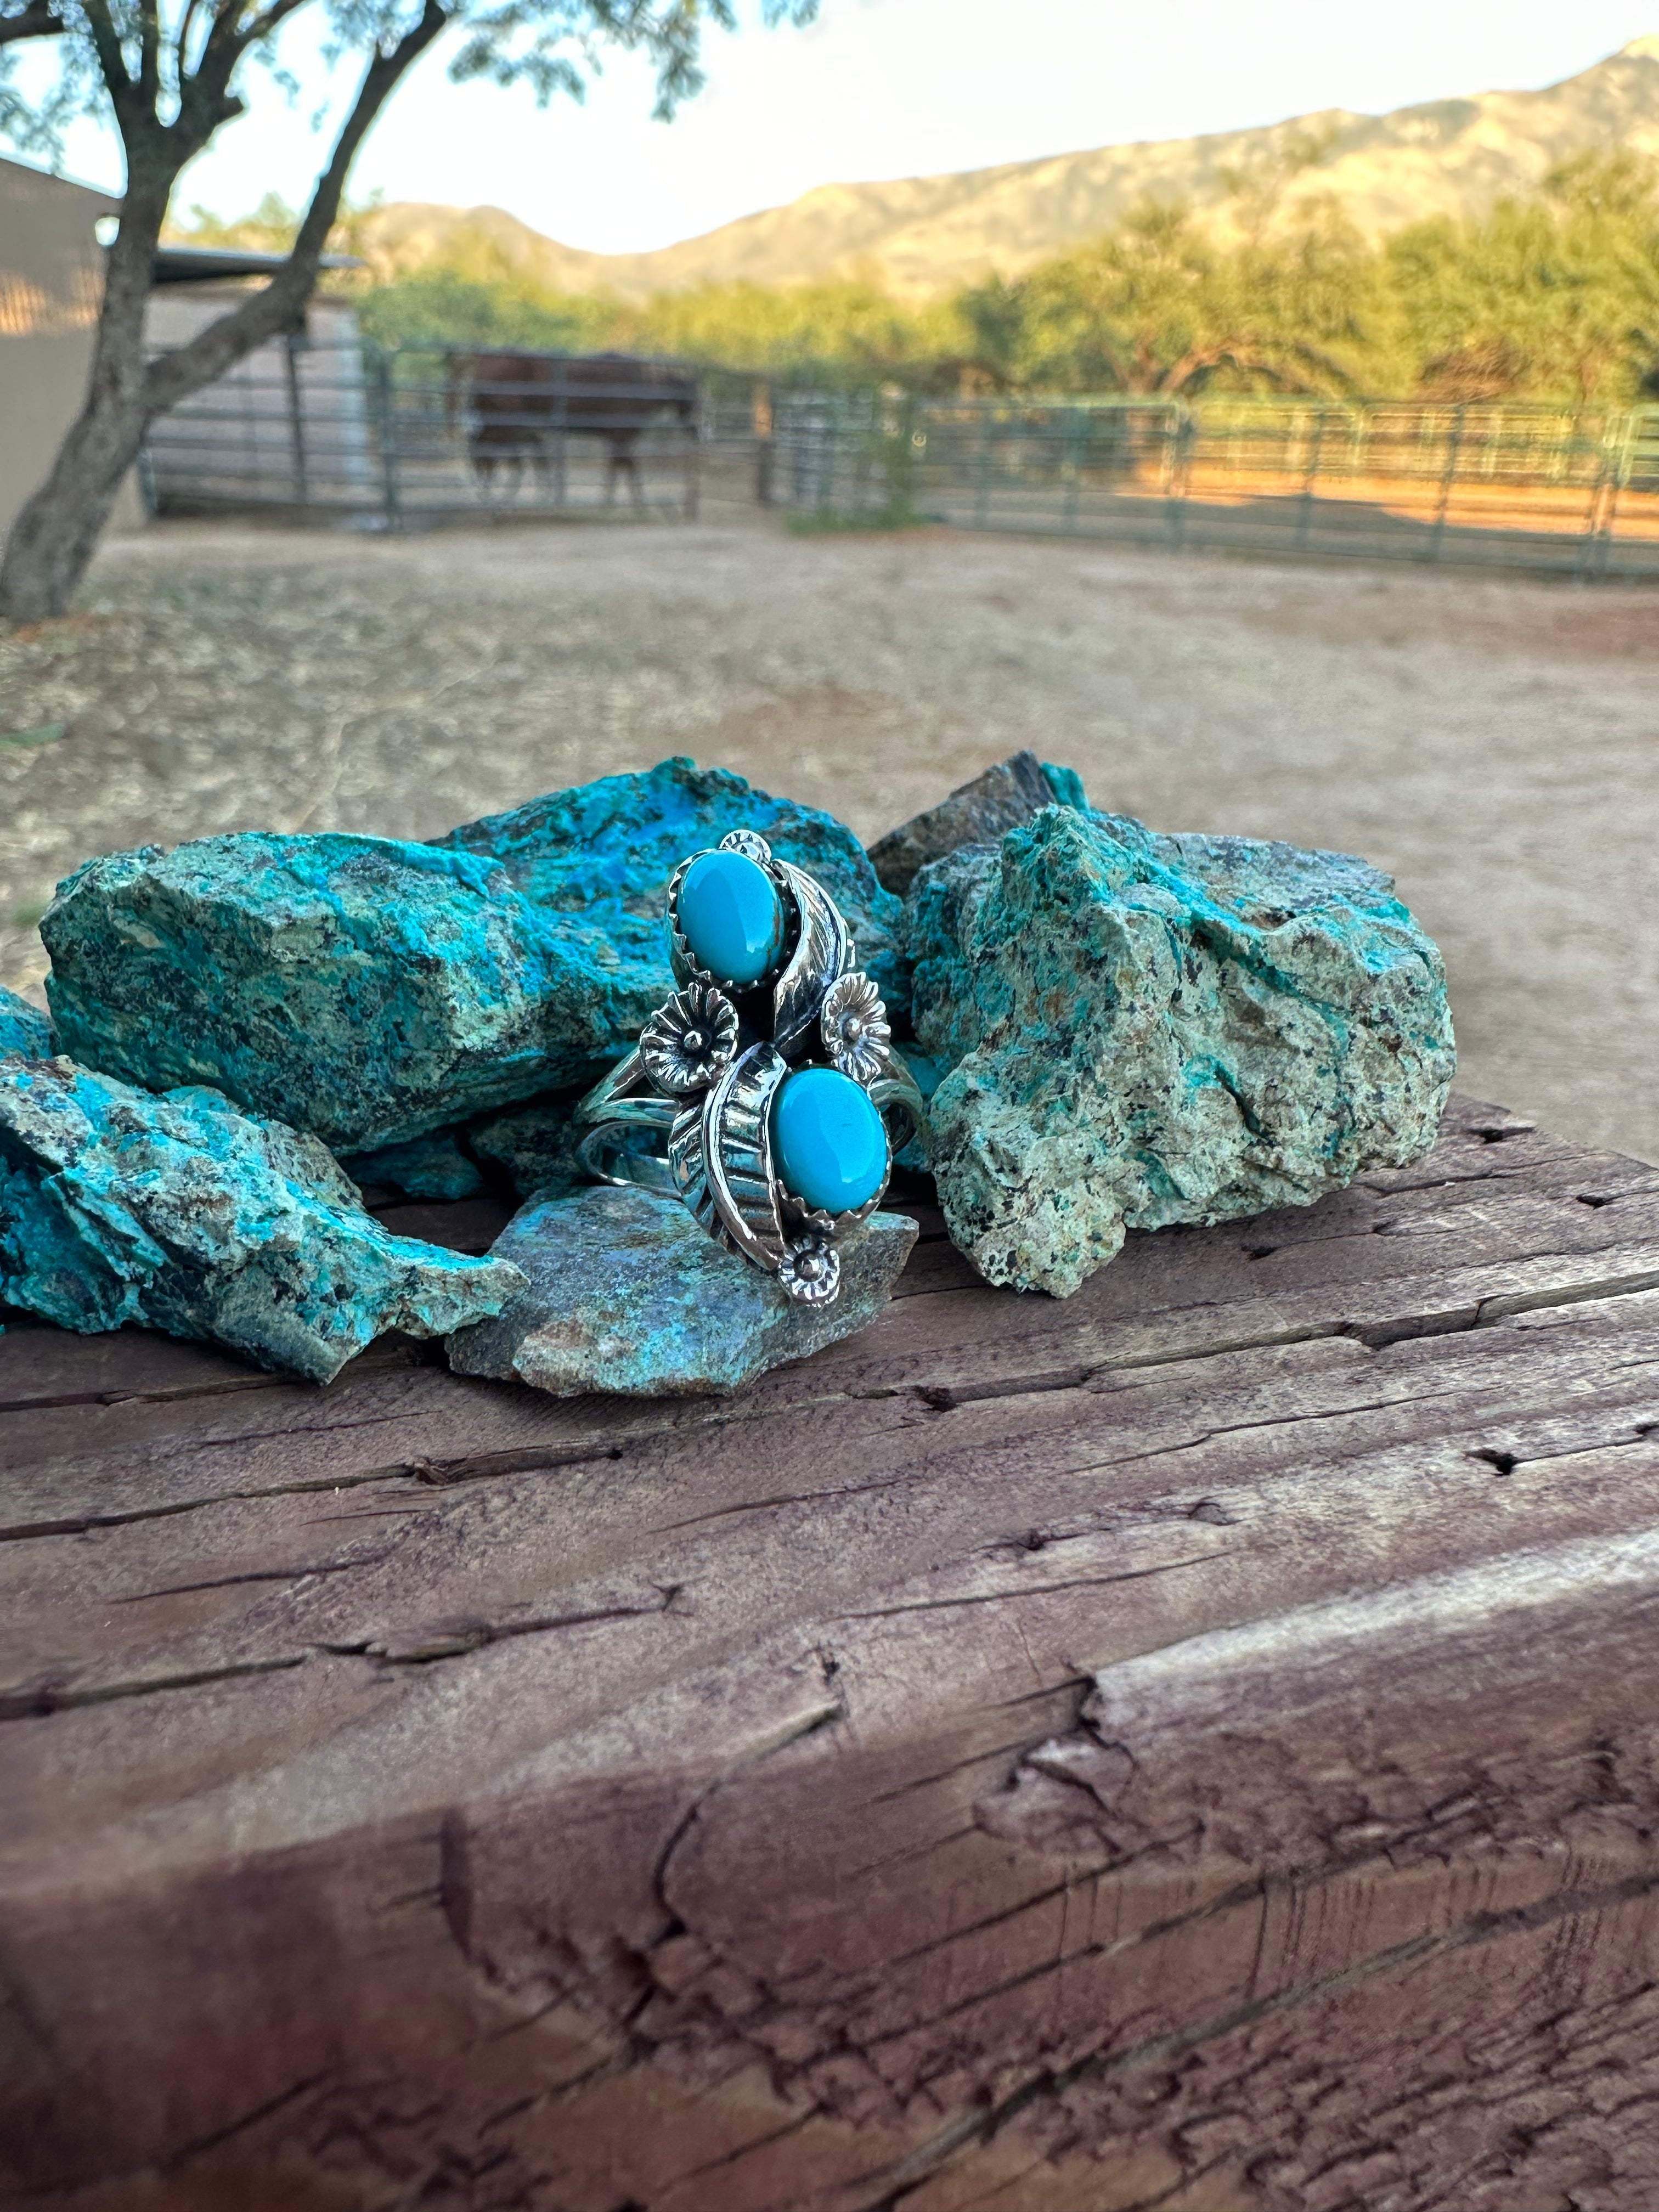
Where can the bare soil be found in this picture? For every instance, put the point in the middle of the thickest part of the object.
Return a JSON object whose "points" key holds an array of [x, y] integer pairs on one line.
{"points": [[1494, 742]]}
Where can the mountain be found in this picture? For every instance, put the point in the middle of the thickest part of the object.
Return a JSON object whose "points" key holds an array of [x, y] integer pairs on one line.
{"points": [[921, 234]]}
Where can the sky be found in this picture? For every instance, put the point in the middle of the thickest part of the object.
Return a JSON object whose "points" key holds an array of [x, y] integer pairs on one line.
{"points": [[881, 88]]}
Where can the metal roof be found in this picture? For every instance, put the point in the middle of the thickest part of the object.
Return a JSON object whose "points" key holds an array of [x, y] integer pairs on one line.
{"points": [[206, 264]]}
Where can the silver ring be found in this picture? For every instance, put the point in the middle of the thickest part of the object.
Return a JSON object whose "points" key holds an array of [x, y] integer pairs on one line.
{"points": [[688, 1113]]}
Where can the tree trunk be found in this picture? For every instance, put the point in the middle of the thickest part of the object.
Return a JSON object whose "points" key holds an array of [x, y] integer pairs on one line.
{"points": [[56, 534]]}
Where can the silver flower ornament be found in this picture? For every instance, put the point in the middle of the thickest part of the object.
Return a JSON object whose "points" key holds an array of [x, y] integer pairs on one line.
{"points": [[689, 1040], [810, 1270], [855, 1027]]}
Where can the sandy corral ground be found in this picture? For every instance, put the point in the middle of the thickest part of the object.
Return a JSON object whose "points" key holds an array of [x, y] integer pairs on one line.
{"points": [[1492, 742]]}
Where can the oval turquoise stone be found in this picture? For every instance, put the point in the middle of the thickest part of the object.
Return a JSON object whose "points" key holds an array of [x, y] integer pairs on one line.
{"points": [[732, 915], [828, 1143]]}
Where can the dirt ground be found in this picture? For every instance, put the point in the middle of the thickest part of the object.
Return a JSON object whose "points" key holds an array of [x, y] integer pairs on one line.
{"points": [[1494, 742]]}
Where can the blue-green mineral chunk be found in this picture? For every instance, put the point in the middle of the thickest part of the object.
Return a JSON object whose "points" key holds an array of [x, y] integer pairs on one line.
{"points": [[439, 1166], [24, 1028], [181, 1214], [366, 990], [828, 1140], [624, 1291], [732, 917], [1144, 1029], [371, 991], [603, 853]]}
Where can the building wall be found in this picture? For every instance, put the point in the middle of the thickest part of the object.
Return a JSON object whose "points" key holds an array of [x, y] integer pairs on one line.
{"points": [[287, 422], [51, 276]]}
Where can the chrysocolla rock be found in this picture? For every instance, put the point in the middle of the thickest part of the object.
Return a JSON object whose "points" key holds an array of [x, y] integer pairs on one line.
{"points": [[1144, 1029], [627, 1293], [535, 1143], [364, 990], [437, 1166], [180, 1213], [371, 991], [926, 1073], [24, 1028], [975, 813], [603, 853]]}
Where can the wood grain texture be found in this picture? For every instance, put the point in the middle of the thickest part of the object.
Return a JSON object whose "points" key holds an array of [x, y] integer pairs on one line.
{"points": [[1193, 1745]]}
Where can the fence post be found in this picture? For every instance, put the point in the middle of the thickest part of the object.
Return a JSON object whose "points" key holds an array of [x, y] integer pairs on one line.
{"points": [[1448, 477], [1305, 525], [760, 425], [385, 422], [1180, 430], [296, 418], [982, 487], [1077, 423], [694, 468]]}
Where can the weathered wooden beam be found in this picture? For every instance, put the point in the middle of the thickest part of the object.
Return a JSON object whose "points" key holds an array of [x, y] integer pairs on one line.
{"points": [[1193, 1745]]}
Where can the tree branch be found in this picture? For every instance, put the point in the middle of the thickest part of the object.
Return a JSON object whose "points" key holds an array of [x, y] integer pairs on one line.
{"points": [[174, 376], [111, 63], [149, 49], [40, 20]]}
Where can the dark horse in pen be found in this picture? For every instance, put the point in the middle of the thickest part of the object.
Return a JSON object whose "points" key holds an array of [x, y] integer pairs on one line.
{"points": [[521, 406]]}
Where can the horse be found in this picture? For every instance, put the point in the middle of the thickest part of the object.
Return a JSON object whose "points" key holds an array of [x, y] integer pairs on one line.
{"points": [[521, 406]]}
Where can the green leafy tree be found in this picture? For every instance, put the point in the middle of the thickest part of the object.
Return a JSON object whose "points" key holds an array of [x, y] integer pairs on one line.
{"points": [[1163, 306], [1555, 297], [169, 74]]}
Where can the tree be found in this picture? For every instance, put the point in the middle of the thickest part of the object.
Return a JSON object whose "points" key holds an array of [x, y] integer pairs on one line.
{"points": [[1161, 306], [1555, 297], [170, 74]]}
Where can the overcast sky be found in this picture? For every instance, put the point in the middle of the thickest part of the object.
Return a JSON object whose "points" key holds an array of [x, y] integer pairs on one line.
{"points": [[888, 89]]}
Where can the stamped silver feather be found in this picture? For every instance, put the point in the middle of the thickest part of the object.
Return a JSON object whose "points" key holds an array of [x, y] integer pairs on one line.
{"points": [[737, 1154], [823, 951]]}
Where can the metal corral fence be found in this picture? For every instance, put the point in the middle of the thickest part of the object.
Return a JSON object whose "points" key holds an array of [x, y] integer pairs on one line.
{"points": [[411, 437], [1524, 487], [416, 436]]}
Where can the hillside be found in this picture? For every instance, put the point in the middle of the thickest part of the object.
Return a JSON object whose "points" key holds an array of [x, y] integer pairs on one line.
{"points": [[922, 234]]}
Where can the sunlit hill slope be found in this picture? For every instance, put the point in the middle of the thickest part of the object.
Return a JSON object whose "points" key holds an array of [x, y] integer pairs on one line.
{"points": [[923, 235]]}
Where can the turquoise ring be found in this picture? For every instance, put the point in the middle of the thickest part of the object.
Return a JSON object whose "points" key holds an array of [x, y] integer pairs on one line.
{"points": [[764, 1094]]}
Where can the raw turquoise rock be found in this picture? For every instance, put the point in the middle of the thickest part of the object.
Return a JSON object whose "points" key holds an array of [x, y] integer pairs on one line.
{"points": [[362, 989], [439, 1166], [371, 991], [978, 813], [603, 852], [23, 1028], [625, 1293], [1143, 1030], [829, 1144], [534, 1145], [181, 1214], [731, 916]]}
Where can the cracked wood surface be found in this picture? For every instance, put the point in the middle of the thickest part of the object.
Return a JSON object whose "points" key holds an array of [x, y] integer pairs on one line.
{"points": [[1194, 1746]]}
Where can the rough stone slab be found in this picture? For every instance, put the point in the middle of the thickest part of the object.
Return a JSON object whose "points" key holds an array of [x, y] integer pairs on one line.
{"points": [[977, 813], [534, 1145], [180, 1213], [365, 990], [23, 1028], [1143, 1030], [603, 852], [439, 1166], [627, 1294], [372, 992]]}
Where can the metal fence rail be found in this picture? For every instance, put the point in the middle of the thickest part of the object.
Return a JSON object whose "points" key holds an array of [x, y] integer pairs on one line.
{"points": [[423, 433], [1507, 487]]}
